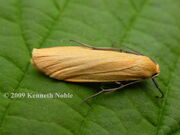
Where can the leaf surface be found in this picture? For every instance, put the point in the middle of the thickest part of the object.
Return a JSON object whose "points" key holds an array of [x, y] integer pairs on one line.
{"points": [[151, 27]]}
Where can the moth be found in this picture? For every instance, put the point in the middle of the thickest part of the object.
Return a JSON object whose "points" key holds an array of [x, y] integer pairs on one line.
{"points": [[95, 64]]}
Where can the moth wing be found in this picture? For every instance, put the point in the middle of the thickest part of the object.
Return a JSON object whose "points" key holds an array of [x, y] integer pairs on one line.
{"points": [[79, 64]]}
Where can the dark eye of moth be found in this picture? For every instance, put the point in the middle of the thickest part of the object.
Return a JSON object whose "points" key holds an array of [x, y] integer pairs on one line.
{"points": [[154, 74]]}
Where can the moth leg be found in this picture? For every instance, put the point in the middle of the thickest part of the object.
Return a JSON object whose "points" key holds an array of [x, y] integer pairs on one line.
{"points": [[157, 86], [107, 48], [110, 90], [113, 89], [118, 82]]}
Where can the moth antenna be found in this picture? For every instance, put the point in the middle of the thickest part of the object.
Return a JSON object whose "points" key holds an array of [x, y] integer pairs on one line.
{"points": [[111, 89], [157, 86], [133, 51], [92, 96], [107, 48], [80, 43]]}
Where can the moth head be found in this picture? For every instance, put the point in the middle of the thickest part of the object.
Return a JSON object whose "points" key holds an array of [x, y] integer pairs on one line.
{"points": [[157, 72]]}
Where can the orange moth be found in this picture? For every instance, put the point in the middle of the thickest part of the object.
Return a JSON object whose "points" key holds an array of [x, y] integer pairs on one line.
{"points": [[93, 64]]}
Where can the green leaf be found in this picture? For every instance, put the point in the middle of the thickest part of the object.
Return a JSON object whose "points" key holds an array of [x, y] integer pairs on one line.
{"points": [[151, 27]]}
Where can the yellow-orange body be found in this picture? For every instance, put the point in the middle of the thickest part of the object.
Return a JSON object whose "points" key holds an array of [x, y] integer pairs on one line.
{"points": [[83, 64]]}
